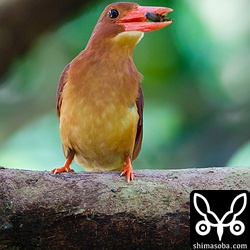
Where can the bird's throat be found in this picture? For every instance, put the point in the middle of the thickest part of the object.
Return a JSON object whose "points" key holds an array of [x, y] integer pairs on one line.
{"points": [[128, 38]]}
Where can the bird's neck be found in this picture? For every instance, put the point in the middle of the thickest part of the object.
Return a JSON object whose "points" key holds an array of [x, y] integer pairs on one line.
{"points": [[108, 70], [121, 45]]}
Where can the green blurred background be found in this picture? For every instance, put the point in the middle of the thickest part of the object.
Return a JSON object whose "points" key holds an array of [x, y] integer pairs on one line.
{"points": [[196, 88]]}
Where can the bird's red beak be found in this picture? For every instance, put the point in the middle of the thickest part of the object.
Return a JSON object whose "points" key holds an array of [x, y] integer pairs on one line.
{"points": [[136, 19]]}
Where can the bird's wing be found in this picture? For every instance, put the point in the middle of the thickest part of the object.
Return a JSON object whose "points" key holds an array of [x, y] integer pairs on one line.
{"points": [[138, 138], [61, 84]]}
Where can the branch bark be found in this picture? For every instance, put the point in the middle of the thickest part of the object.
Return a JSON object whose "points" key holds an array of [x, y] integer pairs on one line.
{"points": [[22, 21], [40, 210]]}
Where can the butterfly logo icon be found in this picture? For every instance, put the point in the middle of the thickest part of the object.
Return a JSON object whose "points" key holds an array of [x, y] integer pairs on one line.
{"points": [[203, 227]]}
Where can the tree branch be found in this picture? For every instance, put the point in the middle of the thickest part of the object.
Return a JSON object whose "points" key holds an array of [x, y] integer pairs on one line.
{"points": [[101, 211]]}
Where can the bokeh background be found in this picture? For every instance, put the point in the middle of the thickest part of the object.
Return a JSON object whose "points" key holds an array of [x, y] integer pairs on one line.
{"points": [[196, 88]]}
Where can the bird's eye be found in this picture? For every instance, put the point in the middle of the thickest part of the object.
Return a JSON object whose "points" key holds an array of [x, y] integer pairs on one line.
{"points": [[113, 13]]}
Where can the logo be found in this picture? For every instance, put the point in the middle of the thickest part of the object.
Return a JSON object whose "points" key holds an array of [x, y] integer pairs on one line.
{"points": [[203, 227], [219, 217]]}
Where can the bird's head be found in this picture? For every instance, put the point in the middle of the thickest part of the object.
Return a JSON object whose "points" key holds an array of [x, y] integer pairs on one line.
{"points": [[125, 22]]}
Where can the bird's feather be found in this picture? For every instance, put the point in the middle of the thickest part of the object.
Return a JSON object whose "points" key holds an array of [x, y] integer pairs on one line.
{"points": [[138, 138], [61, 84]]}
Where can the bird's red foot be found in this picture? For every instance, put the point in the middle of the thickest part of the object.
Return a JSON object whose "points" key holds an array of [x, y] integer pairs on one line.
{"points": [[128, 170], [64, 168]]}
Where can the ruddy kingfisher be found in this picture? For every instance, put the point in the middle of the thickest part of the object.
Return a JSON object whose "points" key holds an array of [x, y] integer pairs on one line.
{"points": [[99, 95]]}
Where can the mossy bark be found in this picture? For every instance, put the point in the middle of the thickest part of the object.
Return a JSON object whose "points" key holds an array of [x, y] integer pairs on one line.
{"points": [[40, 210]]}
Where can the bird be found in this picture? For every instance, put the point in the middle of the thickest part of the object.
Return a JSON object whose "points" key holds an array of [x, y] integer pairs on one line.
{"points": [[99, 94]]}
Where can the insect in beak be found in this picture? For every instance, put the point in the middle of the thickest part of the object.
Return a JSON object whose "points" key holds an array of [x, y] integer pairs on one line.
{"points": [[155, 17]]}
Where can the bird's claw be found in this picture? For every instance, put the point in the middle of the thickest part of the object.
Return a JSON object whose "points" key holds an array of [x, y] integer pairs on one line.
{"points": [[128, 170], [62, 170], [65, 168]]}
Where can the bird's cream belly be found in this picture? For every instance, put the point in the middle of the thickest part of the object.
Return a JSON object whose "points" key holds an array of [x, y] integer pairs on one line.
{"points": [[101, 137]]}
